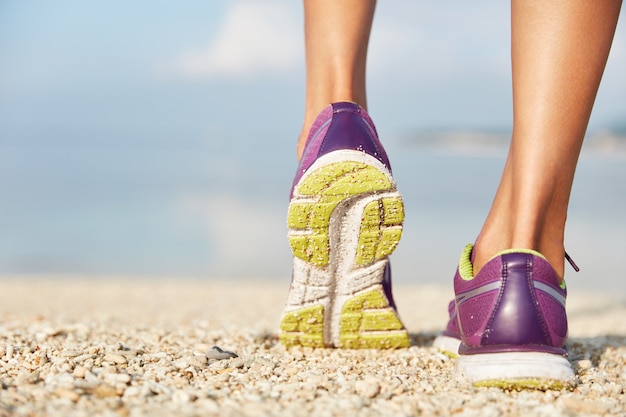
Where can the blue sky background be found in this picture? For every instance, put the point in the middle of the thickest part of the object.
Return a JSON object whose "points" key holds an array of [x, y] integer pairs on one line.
{"points": [[196, 65], [158, 137]]}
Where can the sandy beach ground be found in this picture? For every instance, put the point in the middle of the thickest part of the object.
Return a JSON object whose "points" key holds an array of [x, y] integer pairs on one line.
{"points": [[133, 347]]}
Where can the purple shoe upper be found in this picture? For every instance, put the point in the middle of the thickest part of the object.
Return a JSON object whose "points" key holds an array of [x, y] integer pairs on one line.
{"points": [[340, 126], [387, 286], [452, 329], [515, 303]]}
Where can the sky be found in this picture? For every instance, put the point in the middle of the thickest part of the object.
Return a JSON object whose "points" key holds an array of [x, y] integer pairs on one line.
{"points": [[199, 65], [158, 137]]}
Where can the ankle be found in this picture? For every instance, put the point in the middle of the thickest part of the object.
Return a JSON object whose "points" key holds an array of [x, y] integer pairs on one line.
{"points": [[301, 144]]}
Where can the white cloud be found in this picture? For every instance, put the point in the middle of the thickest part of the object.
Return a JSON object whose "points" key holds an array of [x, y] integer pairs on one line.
{"points": [[255, 38]]}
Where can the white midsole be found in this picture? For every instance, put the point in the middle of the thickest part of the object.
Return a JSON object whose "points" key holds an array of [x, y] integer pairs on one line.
{"points": [[515, 365], [448, 345]]}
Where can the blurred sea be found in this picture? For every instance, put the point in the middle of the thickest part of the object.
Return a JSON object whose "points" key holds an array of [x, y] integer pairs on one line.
{"points": [[111, 204]]}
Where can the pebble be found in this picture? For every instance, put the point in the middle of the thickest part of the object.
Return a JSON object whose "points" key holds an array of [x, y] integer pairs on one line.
{"points": [[115, 358], [219, 354], [71, 353], [105, 391], [112, 378], [68, 394], [583, 365], [181, 396], [194, 361], [580, 405], [83, 357], [368, 388], [132, 392], [135, 357], [79, 371], [8, 352], [292, 370]]}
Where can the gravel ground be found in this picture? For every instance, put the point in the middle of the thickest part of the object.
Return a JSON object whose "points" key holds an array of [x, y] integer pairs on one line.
{"points": [[135, 348]]}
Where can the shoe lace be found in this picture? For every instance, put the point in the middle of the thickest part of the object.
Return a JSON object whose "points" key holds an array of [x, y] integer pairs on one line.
{"points": [[571, 262]]}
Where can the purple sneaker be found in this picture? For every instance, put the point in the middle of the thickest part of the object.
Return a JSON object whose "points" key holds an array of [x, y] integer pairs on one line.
{"points": [[511, 322], [449, 340], [345, 218]]}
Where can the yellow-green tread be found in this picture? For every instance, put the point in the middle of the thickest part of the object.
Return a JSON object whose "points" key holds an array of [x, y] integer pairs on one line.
{"points": [[303, 327], [325, 188], [367, 321], [525, 383]]}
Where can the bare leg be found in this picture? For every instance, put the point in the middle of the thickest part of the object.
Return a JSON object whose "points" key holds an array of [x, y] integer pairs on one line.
{"points": [[336, 39], [559, 50]]}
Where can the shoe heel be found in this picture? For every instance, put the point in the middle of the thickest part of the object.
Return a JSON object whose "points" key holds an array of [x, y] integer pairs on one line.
{"points": [[345, 218], [366, 322]]}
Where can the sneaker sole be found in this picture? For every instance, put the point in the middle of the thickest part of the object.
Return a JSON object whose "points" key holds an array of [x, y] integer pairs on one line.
{"points": [[517, 370], [345, 218], [447, 345]]}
